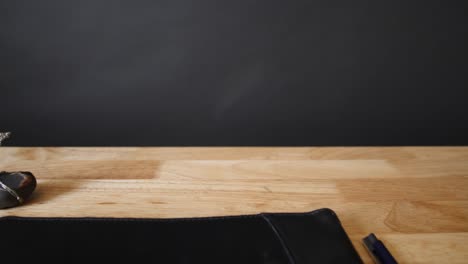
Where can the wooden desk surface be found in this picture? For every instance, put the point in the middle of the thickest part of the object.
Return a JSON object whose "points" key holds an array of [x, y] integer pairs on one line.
{"points": [[415, 199]]}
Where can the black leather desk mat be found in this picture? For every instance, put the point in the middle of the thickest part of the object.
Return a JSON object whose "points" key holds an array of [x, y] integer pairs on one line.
{"points": [[273, 238]]}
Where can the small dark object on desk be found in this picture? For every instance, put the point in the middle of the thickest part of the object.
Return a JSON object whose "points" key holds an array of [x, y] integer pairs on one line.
{"points": [[378, 251], [15, 187]]}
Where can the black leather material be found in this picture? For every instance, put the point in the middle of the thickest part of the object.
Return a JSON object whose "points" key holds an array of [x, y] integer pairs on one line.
{"points": [[296, 238]]}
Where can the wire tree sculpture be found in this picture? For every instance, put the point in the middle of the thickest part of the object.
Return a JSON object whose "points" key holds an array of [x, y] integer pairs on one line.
{"points": [[3, 136]]}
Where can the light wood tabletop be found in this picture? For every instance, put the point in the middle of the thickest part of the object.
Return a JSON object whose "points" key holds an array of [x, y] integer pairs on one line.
{"points": [[414, 198]]}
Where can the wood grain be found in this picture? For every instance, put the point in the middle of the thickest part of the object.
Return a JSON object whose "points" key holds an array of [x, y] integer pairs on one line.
{"points": [[414, 198]]}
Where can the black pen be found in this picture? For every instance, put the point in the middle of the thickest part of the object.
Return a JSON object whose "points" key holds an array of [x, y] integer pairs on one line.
{"points": [[378, 251]]}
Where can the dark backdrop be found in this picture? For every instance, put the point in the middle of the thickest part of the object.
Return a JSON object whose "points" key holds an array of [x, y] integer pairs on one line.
{"points": [[233, 72]]}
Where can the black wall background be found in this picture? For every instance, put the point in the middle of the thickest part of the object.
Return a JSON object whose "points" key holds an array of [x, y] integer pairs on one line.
{"points": [[233, 72]]}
